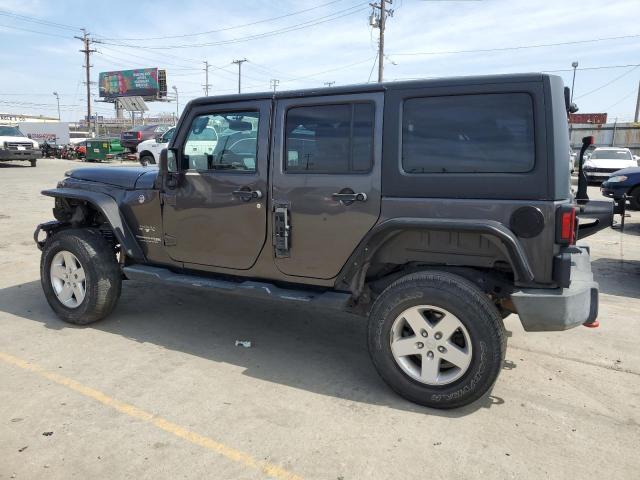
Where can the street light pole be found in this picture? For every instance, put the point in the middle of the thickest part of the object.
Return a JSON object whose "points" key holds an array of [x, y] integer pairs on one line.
{"points": [[175, 89], [573, 82], [58, 99]]}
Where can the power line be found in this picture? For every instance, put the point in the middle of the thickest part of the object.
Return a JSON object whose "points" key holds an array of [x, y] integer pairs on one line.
{"points": [[27, 18], [608, 83], [33, 31], [605, 67], [234, 27], [621, 100], [318, 21], [521, 47]]}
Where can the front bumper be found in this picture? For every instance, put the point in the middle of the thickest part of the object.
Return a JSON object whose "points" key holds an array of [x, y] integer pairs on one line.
{"points": [[597, 176], [555, 309], [7, 154], [615, 191]]}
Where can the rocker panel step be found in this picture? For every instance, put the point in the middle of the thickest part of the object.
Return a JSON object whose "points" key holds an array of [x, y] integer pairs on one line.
{"points": [[326, 299]]}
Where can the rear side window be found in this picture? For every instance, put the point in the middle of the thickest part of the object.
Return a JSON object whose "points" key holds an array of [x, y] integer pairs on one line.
{"points": [[490, 133], [329, 138]]}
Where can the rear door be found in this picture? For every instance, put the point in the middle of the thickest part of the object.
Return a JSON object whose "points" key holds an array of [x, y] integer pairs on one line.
{"points": [[213, 212], [326, 180]]}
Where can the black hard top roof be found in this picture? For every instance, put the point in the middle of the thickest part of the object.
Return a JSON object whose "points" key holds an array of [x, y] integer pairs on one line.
{"points": [[374, 87]]}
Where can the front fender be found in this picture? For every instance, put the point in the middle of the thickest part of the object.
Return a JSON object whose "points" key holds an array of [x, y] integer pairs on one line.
{"points": [[109, 208]]}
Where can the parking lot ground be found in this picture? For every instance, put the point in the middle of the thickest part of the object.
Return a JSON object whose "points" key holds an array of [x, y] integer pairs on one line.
{"points": [[159, 389]]}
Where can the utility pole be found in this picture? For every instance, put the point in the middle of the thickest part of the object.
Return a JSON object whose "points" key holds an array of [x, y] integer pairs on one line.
{"points": [[274, 84], [239, 63], [636, 116], [329, 84], [175, 89], [206, 78], [87, 65], [378, 19]]}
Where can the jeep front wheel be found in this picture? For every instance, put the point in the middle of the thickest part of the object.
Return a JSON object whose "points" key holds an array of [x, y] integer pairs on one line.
{"points": [[436, 339], [80, 276]]}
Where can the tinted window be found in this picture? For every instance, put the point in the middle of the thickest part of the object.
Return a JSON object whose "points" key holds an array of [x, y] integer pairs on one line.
{"points": [[166, 137], [10, 132], [222, 141], [329, 138], [468, 133]]}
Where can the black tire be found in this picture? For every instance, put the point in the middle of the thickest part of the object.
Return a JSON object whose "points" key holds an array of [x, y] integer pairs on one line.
{"points": [[474, 310], [33, 162], [147, 159], [103, 278], [634, 198]]}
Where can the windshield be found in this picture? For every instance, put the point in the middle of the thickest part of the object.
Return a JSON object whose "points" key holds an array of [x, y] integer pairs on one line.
{"points": [[10, 132], [612, 155]]}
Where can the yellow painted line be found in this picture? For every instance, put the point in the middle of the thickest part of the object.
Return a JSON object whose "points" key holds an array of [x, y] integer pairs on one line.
{"points": [[238, 456]]}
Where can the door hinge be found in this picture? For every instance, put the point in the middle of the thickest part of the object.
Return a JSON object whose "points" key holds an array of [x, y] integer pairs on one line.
{"points": [[281, 229], [170, 241]]}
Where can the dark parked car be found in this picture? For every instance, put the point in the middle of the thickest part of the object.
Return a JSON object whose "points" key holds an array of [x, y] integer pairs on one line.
{"points": [[433, 224], [625, 181], [131, 138]]}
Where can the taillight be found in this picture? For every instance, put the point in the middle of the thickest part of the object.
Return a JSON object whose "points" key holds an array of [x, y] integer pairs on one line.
{"points": [[566, 225], [139, 135]]}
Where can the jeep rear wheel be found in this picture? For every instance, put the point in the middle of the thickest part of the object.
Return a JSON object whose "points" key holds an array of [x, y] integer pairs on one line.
{"points": [[436, 339], [80, 276]]}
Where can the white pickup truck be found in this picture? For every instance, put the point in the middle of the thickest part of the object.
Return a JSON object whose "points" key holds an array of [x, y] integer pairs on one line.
{"points": [[15, 145], [148, 152]]}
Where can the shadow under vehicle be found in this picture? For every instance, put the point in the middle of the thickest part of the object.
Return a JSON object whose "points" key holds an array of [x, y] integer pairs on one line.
{"points": [[433, 208]]}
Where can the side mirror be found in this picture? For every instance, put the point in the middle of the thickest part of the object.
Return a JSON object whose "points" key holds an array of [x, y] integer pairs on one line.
{"points": [[168, 163]]}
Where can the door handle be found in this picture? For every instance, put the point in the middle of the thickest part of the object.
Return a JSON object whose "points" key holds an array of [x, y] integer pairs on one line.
{"points": [[248, 194], [350, 197]]}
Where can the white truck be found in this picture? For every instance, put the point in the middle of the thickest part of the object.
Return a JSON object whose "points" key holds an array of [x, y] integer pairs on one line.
{"points": [[15, 145], [148, 151]]}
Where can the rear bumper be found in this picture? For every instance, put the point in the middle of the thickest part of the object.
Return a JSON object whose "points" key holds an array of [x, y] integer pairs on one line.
{"points": [[561, 308], [6, 154], [131, 143]]}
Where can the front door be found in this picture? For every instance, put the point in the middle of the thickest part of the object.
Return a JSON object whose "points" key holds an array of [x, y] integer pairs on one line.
{"points": [[326, 180], [214, 205]]}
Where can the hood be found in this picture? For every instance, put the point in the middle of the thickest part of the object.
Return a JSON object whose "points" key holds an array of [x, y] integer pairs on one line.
{"points": [[145, 144], [17, 139], [123, 177], [628, 171], [609, 163]]}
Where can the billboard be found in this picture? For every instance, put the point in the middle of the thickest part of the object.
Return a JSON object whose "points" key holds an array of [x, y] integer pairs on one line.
{"points": [[598, 118], [142, 82]]}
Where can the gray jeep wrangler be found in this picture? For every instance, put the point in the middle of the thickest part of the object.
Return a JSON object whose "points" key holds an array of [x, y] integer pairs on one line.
{"points": [[434, 208]]}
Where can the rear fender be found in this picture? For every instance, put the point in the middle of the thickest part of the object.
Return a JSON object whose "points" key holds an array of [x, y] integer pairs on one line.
{"points": [[353, 274], [109, 208]]}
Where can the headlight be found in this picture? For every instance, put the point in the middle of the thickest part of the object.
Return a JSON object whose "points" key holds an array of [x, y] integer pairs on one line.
{"points": [[616, 179], [588, 165]]}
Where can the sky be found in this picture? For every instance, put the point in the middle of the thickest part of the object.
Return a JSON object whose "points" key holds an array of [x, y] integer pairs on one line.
{"points": [[305, 43]]}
